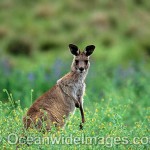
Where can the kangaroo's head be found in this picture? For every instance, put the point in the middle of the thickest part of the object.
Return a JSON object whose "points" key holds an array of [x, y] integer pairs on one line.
{"points": [[81, 62]]}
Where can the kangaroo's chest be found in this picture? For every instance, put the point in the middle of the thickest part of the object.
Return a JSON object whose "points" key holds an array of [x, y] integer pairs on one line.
{"points": [[78, 89]]}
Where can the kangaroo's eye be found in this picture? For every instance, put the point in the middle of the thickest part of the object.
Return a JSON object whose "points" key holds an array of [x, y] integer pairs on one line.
{"points": [[77, 61], [86, 62]]}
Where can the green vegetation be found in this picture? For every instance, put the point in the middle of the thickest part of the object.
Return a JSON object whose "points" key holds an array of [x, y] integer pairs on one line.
{"points": [[34, 38], [119, 29], [116, 105]]}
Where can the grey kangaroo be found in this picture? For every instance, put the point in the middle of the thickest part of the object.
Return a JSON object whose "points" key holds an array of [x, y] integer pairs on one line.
{"points": [[63, 98]]}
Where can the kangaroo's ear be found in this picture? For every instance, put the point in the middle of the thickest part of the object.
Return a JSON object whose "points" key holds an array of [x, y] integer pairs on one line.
{"points": [[74, 49], [89, 50]]}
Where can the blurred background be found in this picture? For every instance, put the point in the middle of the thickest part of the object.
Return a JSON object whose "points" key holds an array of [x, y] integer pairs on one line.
{"points": [[34, 53]]}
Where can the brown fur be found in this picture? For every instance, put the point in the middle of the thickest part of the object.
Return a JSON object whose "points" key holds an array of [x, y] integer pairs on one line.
{"points": [[54, 106]]}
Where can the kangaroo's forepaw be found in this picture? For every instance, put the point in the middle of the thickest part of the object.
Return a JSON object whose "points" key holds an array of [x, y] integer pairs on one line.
{"points": [[77, 104]]}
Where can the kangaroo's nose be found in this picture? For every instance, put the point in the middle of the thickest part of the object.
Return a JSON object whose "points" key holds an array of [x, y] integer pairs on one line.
{"points": [[81, 69]]}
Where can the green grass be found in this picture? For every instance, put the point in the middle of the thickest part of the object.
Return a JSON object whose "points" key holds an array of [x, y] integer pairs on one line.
{"points": [[116, 28], [117, 95], [116, 105]]}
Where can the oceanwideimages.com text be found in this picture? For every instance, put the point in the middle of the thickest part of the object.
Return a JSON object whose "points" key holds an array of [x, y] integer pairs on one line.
{"points": [[13, 138]]}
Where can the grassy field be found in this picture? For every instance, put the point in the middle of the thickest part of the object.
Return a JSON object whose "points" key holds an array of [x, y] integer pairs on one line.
{"points": [[34, 38], [119, 29], [116, 104]]}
